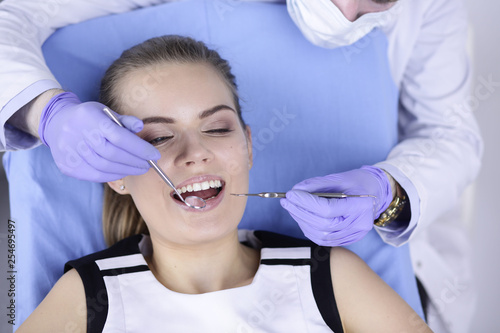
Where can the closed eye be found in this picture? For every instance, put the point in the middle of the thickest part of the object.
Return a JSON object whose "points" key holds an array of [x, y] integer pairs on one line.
{"points": [[160, 140], [219, 131]]}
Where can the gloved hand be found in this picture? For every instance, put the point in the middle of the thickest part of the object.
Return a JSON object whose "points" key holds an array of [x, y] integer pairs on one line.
{"points": [[87, 145], [338, 222]]}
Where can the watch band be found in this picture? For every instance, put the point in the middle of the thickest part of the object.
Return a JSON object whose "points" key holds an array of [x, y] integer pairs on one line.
{"points": [[392, 212]]}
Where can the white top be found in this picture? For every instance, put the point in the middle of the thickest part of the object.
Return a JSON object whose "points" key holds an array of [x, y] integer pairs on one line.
{"points": [[279, 299], [440, 146]]}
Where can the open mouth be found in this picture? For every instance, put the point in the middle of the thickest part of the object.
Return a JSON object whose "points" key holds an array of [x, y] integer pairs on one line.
{"points": [[206, 190]]}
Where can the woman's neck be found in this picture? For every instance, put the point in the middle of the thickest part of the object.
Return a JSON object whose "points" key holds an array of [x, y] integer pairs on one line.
{"points": [[219, 265]]}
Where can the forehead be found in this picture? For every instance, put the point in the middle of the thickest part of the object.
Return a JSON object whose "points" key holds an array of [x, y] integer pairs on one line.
{"points": [[172, 87]]}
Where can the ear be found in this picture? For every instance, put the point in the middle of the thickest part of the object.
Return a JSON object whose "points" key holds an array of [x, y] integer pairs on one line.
{"points": [[119, 186], [248, 132]]}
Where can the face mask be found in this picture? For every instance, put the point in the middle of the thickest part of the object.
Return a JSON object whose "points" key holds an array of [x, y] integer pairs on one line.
{"points": [[324, 25]]}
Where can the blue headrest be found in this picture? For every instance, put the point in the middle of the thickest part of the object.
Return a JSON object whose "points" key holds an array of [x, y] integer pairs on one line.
{"points": [[312, 112]]}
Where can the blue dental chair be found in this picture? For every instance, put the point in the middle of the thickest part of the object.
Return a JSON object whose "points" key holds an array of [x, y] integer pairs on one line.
{"points": [[312, 112]]}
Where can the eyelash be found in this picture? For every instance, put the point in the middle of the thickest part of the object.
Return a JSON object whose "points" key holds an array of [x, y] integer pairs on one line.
{"points": [[219, 131], [162, 139]]}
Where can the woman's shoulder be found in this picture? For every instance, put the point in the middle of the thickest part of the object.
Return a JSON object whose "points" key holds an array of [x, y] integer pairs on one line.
{"points": [[347, 268], [361, 293], [63, 308], [342, 256]]}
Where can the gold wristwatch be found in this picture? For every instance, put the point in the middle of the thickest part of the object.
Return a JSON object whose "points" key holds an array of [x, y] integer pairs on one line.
{"points": [[394, 209]]}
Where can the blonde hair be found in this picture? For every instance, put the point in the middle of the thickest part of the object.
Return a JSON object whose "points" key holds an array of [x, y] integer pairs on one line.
{"points": [[121, 219]]}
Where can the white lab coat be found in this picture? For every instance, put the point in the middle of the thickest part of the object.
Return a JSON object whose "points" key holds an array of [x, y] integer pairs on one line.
{"points": [[439, 150]]}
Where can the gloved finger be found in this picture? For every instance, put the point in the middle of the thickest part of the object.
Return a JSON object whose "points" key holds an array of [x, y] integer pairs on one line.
{"points": [[349, 229], [328, 238], [307, 221], [300, 213], [360, 213], [326, 225], [310, 225], [313, 227], [305, 184], [110, 152], [126, 140], [347, 238], [105, 166], [83, 171], [328, 207], [309, 230], [132, 123], [85, 154], [332, 183], [339, 231]]}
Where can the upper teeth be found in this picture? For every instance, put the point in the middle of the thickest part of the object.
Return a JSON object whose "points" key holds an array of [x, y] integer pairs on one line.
{"points": [[200, 186]]}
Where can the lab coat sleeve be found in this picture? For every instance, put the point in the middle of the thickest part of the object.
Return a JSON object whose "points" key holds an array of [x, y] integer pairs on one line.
{"points": [[24, 27], [440, 147]]}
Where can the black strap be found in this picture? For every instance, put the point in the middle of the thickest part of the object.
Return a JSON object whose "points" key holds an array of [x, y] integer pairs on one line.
{"points": [[424, 297], [291, 262], [321, 280], [95, 294], [124, 270], [273, 240], [93, 282]]}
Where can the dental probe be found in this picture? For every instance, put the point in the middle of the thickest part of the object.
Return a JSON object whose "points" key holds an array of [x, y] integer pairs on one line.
{"points": [[196, 202], [322, 195]]}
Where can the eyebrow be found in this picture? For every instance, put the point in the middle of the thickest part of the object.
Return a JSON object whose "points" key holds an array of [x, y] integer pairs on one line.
{"points": [[203, 114], [211, 111]]}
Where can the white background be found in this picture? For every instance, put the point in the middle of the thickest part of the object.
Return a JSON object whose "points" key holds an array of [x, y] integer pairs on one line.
{"points": [[484, 17]]}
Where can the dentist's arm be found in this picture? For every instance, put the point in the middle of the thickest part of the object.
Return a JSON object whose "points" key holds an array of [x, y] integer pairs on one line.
{"points": [[27, 86], [24, 27], [440, 146], [85, 144]]}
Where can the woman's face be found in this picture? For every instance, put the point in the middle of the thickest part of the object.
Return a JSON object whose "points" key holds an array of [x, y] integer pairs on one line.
{"points": [[189, 115]]}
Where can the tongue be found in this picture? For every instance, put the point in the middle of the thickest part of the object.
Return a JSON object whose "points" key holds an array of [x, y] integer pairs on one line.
{"points": [[204, 194]]}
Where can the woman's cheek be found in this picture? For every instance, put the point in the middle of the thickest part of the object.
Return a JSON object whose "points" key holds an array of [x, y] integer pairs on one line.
{"points": [[146, 185], [237, 160]]}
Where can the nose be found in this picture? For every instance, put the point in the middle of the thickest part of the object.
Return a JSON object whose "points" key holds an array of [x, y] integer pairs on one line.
{"points": [[349, 8], [192, 151]]}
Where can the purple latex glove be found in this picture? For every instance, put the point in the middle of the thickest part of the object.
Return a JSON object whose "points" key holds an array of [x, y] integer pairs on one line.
{"points": [[338, 222], [87, 145]]}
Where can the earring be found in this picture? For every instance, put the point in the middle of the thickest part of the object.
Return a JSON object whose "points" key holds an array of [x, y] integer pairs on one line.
{"points": [[122, 187]]}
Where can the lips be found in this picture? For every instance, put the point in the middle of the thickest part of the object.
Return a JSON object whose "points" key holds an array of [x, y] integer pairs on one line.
{"points": [[206, 188]]}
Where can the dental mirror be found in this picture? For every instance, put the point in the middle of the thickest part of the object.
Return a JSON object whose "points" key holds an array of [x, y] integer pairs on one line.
{"points": [[195, 202], [191, 201]]}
